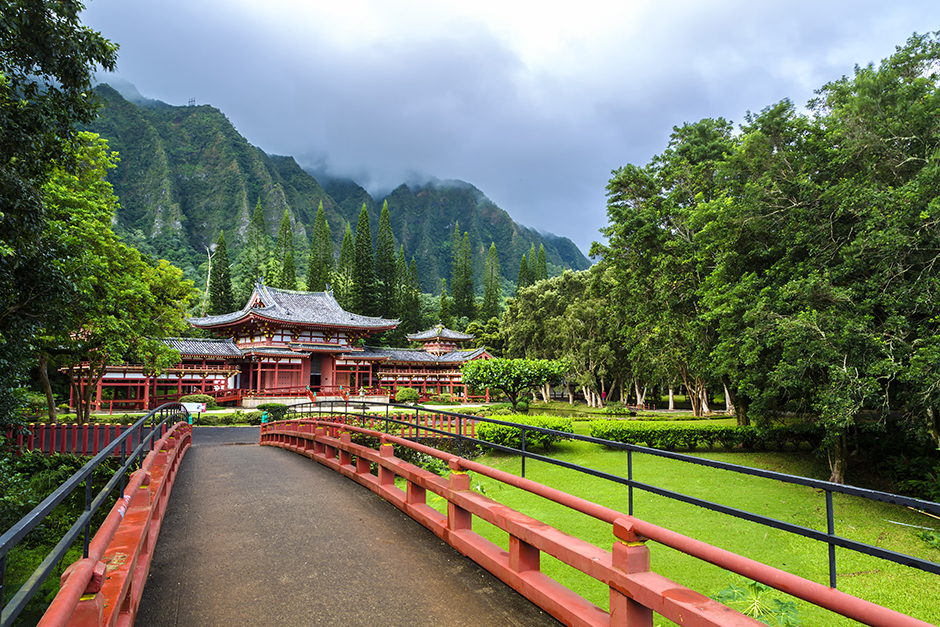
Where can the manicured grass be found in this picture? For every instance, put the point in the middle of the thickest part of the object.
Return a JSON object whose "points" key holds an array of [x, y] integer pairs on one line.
{"points": [[901, 588]]}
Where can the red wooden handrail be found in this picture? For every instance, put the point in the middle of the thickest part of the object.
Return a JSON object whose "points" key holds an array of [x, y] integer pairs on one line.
{"points": [[635, 591], [90, 598]]}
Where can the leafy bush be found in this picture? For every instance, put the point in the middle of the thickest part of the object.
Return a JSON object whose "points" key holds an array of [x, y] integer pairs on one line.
{"points": [[510, 436], [522, 407], [671, 437], [199, 398], [753, 599], [407, 395], [276, 411], [917, 475], [253, 418]]}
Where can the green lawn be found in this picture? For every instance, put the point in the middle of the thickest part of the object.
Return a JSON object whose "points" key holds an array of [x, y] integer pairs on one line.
{"points": [[901, 588]]}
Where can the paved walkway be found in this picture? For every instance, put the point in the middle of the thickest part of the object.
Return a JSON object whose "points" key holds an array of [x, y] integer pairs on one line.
{"points": [[260, 536]]}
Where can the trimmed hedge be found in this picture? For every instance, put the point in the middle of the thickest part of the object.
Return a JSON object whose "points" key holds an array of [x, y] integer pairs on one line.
{"points": [[276, 411], [670, 437], [199, 398], [509, 436]]}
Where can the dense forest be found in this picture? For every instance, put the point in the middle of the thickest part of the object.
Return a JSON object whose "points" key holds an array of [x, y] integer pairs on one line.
{"points": [[793, 264]]}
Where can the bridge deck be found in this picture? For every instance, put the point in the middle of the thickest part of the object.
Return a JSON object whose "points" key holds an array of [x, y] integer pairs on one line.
{"points": [[260, 536]]}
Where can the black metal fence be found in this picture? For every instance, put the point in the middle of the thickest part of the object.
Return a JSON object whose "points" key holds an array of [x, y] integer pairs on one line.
{"points": [[330, 410], [145, 435]]}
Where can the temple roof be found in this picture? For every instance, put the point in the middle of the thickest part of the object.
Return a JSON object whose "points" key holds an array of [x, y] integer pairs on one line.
{"points": [[203, 347], [289, 306], [413, 355], [439, 332]]}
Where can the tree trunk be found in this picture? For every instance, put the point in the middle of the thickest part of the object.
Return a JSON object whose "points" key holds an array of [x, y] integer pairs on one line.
{"points": [[570, 391], [933, 425], [740, 403], [640, 394], [838, 458], [672, 398], [46, 387], [729, 404], [703, 394]]}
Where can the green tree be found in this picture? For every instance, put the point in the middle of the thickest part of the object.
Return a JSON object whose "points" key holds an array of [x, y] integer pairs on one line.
{"points": [[541, 266], [123, 304], [320, 266], [343, 274], [46, 66], [386, 270], [445, 306], [221, 300], [282, 272], [525, 276], [410, 299], [511, 376], [363, 296], [490, 307], [254, 256], [462, 278]]}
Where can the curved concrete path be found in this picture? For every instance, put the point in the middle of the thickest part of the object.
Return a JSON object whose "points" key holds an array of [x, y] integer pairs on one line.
{"points": [[260, 536]]}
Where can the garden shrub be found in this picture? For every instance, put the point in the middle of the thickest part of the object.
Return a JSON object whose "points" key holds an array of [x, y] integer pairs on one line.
{"points": [[276, 411], [200, 398], [671, 437], [511, 436], [253, 418], [407, 395]]}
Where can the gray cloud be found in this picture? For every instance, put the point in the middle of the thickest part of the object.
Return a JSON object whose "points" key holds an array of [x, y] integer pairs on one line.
{"points": [[459, 101]]}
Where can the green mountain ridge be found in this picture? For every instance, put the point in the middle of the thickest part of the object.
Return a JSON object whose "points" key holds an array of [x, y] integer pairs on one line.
{"points": [[185, 173]]}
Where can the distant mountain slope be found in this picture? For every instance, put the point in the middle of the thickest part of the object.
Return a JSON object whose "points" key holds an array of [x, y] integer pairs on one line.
{"points": [[186, 173]]}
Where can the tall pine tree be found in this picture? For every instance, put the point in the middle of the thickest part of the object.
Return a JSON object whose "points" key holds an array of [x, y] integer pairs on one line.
{"points": [[320, 265], [491, 286], [462, 279], [410, 304], [363, 271], [541, 266], [254, 257], [444, 307], [386, 274], [525, 276], [282, 272], [221, 298], [342, 275]]}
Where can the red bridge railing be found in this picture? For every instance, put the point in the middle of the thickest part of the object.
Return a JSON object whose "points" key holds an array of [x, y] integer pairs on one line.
{"points": [[87, 439], [635, 591], [105, 588]]}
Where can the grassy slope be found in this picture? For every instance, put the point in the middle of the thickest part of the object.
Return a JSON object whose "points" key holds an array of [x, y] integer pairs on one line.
{"points": [[901, 588]]}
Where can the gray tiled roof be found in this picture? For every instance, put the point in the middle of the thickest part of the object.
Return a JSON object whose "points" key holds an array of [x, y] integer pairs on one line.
{"points": [[307, 347], [203, 347], [439, 332], [316, 308], [414, 355], [270, 350]]}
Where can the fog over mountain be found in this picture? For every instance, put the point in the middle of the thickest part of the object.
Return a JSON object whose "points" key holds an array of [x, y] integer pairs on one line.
{"points": [[533, 103]]}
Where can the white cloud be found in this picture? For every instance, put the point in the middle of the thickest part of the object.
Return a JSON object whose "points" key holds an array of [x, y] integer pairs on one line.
{"points": [[532, 103]]}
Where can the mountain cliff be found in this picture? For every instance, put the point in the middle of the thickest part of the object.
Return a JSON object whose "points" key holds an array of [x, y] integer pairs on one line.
{"points": [[185, 173]]}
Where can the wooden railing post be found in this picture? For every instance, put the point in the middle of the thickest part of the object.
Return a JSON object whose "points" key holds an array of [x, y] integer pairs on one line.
{"points": [[386, 476], [631, 555], [457, 517]]}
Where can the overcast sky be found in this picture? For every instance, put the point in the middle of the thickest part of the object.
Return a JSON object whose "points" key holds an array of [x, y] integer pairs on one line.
{"points": [[534, 105]]}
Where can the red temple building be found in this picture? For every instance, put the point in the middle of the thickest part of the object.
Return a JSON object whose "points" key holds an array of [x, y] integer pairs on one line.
{"points": [[289, 346]]}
